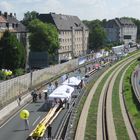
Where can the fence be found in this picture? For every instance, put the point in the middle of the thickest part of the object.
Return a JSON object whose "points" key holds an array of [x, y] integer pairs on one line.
{"points": [[10, 89]]}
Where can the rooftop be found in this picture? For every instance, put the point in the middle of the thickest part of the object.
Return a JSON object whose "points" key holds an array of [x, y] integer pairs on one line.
{"points": [[63, 22]]}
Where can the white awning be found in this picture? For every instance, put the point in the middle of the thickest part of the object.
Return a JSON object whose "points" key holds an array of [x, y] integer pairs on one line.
{"points": [[72, 81], [63, 91]]}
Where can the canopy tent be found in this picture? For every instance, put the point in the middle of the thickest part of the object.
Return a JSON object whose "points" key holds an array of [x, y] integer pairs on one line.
{"points": [[72, 81], [62, 92]]}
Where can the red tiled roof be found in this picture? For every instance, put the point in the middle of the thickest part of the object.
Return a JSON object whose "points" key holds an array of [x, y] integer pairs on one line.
{"points": [[2, 19]]}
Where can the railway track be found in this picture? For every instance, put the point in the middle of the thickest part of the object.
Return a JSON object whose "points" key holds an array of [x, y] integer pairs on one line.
{"points": [[128, 123], [105, 122], [101, 133]]}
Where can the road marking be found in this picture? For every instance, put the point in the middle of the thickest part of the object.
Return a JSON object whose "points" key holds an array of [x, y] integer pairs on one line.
{"points": [[36, 121], [13, 116]]}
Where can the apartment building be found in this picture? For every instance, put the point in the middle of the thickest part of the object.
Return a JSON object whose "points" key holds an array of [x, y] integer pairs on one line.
{"points": [[9, 22], [73, 34], [121, 29]]}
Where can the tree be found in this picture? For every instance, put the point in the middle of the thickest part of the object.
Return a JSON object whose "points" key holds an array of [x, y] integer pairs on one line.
{"points": [[97, 35], [43, 37], [97, 38], [12, 53], [28, 17]]}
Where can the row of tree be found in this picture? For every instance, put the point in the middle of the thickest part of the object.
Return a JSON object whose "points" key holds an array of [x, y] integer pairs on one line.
{"points": [[44, 37]]}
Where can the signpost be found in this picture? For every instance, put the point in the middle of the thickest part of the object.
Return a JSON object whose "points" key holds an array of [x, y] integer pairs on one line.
{"points": [[24, 115]]}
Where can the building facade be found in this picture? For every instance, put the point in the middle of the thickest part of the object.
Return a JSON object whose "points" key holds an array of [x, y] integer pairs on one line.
{"points": [[122, 30], [10, 23], [73, 34]]}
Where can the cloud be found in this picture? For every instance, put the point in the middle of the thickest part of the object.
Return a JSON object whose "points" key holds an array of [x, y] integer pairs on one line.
{"points": [[84, 9], [30, 1], [6, 6]]}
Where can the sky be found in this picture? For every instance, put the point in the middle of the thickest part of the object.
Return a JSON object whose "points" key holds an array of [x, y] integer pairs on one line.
{"points": [[84, 9]]}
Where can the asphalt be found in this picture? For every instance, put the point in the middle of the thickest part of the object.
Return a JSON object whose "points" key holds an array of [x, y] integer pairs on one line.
{"points": [[14, 128]]}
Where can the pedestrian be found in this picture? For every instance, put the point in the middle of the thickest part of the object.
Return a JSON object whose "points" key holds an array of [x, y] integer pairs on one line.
{"points": [[50, 88], [136, 73], [19, 100], [85, 70], [40, 96], [56, 84], [46, 95], [79, 70], [34, 95], [49, 131], [88, 68]]}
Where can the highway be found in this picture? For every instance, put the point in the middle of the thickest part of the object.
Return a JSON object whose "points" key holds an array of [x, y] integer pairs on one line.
{"points": [[14, 129]]}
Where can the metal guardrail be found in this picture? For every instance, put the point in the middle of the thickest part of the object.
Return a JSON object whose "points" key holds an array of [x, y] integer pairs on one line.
{"points": [[134, 86]]}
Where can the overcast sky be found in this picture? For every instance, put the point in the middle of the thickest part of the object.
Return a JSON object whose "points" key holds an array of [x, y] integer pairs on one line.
{"points": [[84, 9]]}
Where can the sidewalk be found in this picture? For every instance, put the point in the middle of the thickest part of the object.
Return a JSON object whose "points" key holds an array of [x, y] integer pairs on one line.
{"points": [[8, 111]]}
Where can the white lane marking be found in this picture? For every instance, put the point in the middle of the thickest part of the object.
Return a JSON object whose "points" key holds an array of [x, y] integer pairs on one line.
{"points": [[14, 115], [36, 121]]}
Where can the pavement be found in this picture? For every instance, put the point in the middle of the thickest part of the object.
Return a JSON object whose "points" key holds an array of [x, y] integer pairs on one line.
{"points": [[13, 127]]}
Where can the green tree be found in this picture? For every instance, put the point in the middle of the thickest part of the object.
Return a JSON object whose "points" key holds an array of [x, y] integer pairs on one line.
{"points": [[43, 37], [97, 34], [28, 17], [12, 53]]}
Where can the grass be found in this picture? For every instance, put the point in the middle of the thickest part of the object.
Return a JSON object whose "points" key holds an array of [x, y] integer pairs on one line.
{"points": [[120, 127], [131, 102], [90, 133], [81, 104]]}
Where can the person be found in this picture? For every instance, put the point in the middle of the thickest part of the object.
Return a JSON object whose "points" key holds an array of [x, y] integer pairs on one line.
{"points": [[40, 96], [88, 68], [56, 84], [67, 76], [49, 131], [85, 69], [19, 100], [34, 95], [50, 88], [79, 70], [46, 95]]}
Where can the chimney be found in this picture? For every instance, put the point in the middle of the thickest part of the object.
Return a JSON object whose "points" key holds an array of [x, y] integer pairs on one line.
{"points": [[5, 14], [16, 25], [11, 15], [15, 15]]}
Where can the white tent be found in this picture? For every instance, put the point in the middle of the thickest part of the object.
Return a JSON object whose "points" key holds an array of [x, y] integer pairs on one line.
{"points": [[63, 91], [72, 81]]}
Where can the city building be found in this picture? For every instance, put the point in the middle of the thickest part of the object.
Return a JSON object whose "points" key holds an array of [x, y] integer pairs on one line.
{"points": [[121, 30], [9, 22], [73, 34]]}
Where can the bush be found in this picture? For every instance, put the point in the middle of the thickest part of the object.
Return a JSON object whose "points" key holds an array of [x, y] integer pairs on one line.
{"points": [[18, 72], [2, 76]]}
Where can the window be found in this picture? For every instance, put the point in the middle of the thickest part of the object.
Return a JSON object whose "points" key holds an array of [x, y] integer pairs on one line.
{"points": [[127, 37]]}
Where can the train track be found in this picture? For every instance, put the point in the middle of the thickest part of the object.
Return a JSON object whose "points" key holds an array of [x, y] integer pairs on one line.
{"points": [[105, 122], [128, 123]]}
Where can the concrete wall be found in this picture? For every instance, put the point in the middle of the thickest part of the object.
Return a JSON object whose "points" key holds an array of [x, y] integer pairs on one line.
{"points": [[10, 89]]}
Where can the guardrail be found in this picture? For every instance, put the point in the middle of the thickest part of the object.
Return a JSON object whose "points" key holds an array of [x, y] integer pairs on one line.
{"points": [[134, 86]]}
